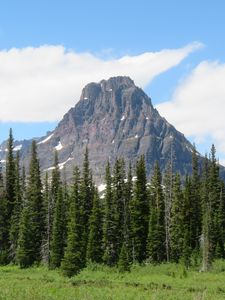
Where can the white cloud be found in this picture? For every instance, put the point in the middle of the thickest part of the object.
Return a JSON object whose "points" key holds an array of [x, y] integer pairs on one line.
{"points": [[197, 107], [41, 84]]}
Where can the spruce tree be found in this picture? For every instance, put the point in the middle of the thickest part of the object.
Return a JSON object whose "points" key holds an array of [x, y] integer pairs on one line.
{"points": [[139, 211], [4, 242], [86, 196], [58, 232], [94, 246], [124, 259], [15, 218], [73, 257], [10, 175], [109, 222], [177, 228], [32, 220], [156, 234]]}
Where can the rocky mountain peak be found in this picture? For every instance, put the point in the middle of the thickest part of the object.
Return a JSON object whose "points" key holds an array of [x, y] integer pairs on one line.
{"points": [[114, 118]]}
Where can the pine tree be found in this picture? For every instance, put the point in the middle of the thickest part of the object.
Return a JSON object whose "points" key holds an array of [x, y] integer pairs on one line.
{"points": [[58, 232], [94, 246], [187, 222], [10, 175], [124, 260], [86, 196], [15, 218], [177, 228], [4, 243], [139, 210], [195, 209], [168, 182], [156, 235], [206, 220], [109, 222], [119, 203], [32, 220], [73, 258], [47, 237]]}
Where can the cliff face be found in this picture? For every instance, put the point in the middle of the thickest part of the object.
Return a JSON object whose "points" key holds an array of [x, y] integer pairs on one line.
{"points": [[114, 118]]}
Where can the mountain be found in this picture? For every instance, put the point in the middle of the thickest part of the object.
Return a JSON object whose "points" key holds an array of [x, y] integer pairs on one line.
{"points": [[114, 118]]}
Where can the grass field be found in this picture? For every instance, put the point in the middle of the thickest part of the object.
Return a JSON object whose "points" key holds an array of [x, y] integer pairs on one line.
{"points": [[168, 281]]}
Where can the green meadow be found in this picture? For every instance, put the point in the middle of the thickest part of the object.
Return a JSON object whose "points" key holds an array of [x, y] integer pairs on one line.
{"points": [[97, 282]]}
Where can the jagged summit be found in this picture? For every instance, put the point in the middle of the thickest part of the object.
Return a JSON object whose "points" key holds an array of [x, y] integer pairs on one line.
{"points": [[114, 118]]}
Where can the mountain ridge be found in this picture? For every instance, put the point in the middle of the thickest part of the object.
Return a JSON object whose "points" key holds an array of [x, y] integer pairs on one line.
{"points": [[113, 118]]}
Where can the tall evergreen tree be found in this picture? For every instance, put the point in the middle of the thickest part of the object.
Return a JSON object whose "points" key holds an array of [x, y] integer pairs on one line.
{"points": [[15, 218], [10, 175], [109, 222], [177, 228], [156, 234], [86, 196], [32, 221], [94, 246], [139, 210], [4, 242], [73, 257], [58, 232]]}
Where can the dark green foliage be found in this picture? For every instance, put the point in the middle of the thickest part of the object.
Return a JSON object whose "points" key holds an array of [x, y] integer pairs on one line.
{"points": [[109, 222], [124, 260], [139, 213], [73, 258], [177, 218], [156, 234], [32, 220], [10, 175], [94, 246], [3, 223], [15, 218], [86, 202], [58, 232]]}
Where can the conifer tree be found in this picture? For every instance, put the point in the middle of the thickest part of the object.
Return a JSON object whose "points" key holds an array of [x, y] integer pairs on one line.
{"points": [[139, 210], [32, 220], [94, 246], [119, 203], [124, 260], [47, 236], [156, 234], [4, 242], [109, 222], [168, 182], [73, 257], [10, 175], [195, 204], [15, 218], [86, 196], [58, 232], [177, 228]]}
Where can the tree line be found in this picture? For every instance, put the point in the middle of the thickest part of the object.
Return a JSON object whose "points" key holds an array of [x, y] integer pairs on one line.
{"points": [[168, 219]]}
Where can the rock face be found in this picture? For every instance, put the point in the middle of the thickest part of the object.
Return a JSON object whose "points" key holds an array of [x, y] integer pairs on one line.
{"points": [[114, 118]]}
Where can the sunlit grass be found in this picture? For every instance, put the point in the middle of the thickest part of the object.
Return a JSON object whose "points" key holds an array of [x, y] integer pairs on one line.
{"points": [[166, 281]]}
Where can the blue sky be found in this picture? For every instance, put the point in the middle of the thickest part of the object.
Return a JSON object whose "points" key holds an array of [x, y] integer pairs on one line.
{"points": [[109, 31]]}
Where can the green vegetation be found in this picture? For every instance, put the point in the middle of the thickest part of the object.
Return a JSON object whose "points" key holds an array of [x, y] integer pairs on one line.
{"points": [[165, 281]]}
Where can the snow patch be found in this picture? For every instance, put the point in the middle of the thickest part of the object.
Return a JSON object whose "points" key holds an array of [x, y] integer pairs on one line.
{"points": [[123, 117], [61, 165], [17, 148], [101, 187], [85, 98], [147, 118], [136, 136], [3, 161], [59, 146], [113, 142], [45, 140], [189, 149]]}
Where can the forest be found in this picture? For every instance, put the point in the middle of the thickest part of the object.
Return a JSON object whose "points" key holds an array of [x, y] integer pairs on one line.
{"points": [[135, 221]]}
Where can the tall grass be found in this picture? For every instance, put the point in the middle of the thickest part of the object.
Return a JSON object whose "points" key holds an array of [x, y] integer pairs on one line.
{"points": [[97, 282]]}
